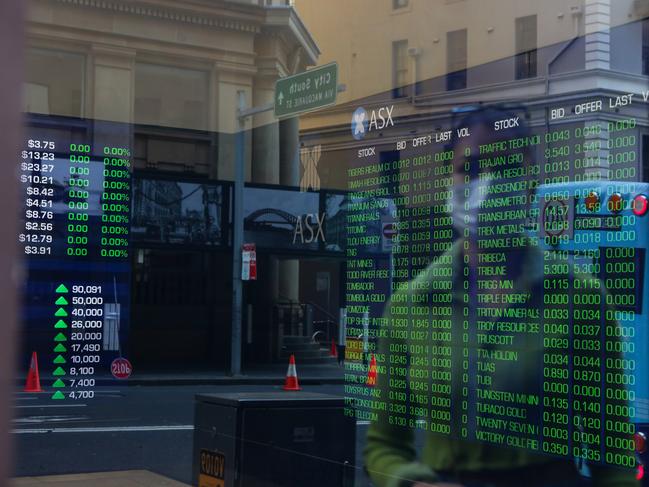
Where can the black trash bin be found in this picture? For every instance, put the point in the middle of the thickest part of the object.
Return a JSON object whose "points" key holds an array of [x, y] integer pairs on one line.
{"points": [[273, 439]]}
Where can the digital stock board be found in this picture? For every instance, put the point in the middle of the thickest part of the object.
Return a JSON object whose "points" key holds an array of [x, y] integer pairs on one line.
{"points": [[75, 179], [510, 307]]}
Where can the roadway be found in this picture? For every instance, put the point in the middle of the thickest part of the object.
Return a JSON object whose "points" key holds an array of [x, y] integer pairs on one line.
{"points": [[141, 427]]}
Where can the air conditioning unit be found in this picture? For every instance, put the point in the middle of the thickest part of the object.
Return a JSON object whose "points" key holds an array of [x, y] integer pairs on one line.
{"points": [[576, 10], [414, 51]]}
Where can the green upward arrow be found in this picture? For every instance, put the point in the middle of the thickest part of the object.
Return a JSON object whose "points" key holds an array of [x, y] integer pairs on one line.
{"points": [[61, 301], [58, 371], [59, 360], [58, 395], [61, 312], [60, 324], [60, 348], [58, 383], [60, 338], [62, 289]]}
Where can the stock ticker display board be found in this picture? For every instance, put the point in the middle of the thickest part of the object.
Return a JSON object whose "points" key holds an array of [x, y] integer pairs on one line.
{"points": [[508, 305], [74, 231]]}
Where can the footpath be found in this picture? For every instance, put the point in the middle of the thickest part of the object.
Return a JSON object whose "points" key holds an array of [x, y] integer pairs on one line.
{"points": [[129, 478]]}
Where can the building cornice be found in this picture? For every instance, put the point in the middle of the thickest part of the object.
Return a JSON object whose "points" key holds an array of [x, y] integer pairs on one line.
{"points": [[188, 12], [287, 19]]}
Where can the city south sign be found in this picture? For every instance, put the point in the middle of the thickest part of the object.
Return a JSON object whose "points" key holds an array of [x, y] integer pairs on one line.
{"points": [[307, 91]]}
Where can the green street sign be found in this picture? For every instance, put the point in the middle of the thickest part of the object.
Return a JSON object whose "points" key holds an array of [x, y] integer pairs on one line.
{"points": [[307, 91]]}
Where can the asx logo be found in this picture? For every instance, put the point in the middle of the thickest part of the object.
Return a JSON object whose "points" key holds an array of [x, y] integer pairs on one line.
{"points": [[309, 157], [377, 120]]}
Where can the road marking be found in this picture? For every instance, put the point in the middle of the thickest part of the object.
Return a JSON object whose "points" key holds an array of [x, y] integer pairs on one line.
{"points": [[104, 429], [48, 419], [52, 406]]}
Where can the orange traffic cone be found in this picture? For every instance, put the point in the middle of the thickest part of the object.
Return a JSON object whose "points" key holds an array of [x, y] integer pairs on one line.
{"points": [[371, 374], [291, 383], [33, 383], [333, 352]]}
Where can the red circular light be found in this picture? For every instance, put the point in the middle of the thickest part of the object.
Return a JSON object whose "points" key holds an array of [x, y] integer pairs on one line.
{"points": [[592, 201], [640, 441], [615, 203], [640, 205]]}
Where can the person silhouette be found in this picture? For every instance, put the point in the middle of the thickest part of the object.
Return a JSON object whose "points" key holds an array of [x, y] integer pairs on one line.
{"points": [[482, 307]]}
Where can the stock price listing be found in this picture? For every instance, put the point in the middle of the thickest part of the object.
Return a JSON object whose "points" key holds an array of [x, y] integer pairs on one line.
{"points": [[502, 301], [74, 232]]}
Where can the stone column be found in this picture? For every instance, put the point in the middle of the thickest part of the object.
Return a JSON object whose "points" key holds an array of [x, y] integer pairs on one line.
{"points": [[597, 23], [289, 151], [224, 98], [265, 135], [289, 130]]}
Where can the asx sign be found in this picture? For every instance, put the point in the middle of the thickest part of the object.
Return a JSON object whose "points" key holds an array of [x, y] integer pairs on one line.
{"points": [[309, 228], [378, 119]]}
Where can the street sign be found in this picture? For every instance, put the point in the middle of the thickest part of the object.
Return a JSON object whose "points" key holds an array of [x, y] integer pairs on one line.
{"points": [[121, 368], [248, 262], [388, 232], [303, 92]]}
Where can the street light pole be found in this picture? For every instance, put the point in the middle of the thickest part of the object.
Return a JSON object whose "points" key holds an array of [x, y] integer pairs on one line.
{"points": [[237, 237], [237, 227]]}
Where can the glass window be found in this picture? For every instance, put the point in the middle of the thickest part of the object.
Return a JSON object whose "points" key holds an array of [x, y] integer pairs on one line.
{"points": [[456, 59], [171, 96], [526, 44], [645, 47], [54, 82], [322, 279], [400, 68]]}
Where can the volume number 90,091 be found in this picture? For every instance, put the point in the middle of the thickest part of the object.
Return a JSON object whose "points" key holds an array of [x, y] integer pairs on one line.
{"points": [[86, 289]]}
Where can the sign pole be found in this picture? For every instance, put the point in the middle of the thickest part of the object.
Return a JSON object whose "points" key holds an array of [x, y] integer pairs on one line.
{"points": [[237, 238]]}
